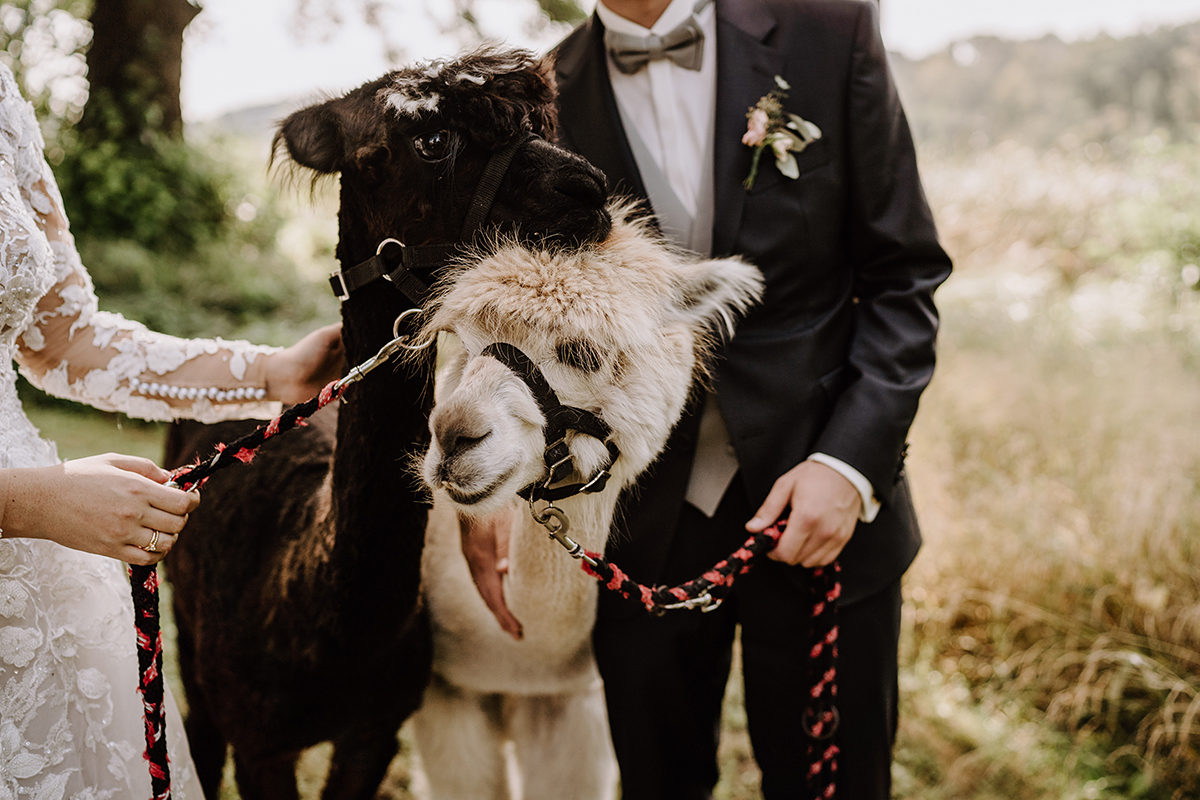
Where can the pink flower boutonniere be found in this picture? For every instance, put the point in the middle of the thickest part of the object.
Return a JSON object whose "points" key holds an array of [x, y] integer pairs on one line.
{"points": [[770, 126]]}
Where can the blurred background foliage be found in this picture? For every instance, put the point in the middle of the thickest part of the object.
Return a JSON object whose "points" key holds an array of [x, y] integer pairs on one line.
{"points": [[1047, 93], [1052, 626], [1052, 642]]}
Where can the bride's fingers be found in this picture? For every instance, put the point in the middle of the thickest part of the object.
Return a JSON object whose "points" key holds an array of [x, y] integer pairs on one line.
{"points": [[173, 501], [140, 552], [142, 466], [139, 557], [158, 520], [155, 542]]}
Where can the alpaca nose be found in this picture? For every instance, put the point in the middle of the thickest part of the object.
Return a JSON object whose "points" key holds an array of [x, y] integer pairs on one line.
{"points": [[582, 184], [582, 191], [455, 437]]}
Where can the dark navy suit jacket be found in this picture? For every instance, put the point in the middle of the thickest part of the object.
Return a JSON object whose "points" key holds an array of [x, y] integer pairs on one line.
{"points": [[837, 355]]}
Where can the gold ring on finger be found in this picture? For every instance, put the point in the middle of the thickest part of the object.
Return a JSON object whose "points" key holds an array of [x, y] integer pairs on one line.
{"points": [[153, 546]]}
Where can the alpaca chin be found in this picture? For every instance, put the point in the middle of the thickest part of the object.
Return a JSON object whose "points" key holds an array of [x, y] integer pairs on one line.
{"points": [[478, 481], [479, 504], [469, 496]]}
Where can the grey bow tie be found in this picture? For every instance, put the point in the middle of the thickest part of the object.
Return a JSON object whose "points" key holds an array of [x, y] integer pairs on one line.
{"points": [[683, 44]]}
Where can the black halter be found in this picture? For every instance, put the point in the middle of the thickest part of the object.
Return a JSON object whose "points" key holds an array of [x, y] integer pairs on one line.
{"points": [[409, 268], [559, 420]]}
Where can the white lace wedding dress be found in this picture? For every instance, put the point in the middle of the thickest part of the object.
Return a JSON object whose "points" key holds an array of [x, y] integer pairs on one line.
{"points": [[70, 717]]}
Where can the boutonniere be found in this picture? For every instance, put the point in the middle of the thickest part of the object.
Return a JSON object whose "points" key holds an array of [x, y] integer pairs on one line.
{"points": [[770, 126]]}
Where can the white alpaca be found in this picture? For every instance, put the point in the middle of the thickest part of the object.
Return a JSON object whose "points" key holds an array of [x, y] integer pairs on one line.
{"points": [[619, 329]]}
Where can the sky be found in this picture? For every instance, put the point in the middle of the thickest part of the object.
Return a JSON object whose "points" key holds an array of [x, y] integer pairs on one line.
{"points": [[240, 53]]}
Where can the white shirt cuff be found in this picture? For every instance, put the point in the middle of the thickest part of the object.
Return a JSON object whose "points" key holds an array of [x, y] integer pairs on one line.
{"points": [[870, 506]]}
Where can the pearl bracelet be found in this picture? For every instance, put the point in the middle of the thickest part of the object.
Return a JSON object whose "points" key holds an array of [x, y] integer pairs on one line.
{"points": [[197, 392]]}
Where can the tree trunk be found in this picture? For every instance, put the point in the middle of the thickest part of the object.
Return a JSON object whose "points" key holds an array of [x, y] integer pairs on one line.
{"points": [[134, 66]]}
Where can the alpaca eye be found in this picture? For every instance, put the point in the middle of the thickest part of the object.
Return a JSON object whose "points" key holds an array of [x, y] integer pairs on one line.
{"points": [[433, 146]]}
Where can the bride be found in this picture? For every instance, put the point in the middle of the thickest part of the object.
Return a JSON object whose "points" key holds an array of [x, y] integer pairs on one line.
{"points": [[70, 718]]}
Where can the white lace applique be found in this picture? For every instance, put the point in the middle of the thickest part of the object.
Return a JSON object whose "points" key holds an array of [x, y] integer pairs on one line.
{"points": [[70, 721]]}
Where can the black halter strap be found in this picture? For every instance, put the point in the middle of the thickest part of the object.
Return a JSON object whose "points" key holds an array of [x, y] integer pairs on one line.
{"points": [[402, 266], [489, 185], [559, 420], [410, 268]]}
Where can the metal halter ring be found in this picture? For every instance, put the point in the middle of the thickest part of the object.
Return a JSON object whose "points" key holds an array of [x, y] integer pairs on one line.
{"points": [[384, 244], [552, 519], [153, 546], [412, 312]]}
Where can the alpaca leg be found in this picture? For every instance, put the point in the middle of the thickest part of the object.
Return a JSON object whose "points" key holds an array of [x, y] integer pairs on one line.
{"points": [[358, 766], [272, 778], [563, 746], [460, 742], [207, 744]]}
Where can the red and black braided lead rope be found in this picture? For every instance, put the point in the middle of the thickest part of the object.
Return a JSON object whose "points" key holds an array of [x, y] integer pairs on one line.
{"points": [[144, 582], [821, 718], [706, 592]]}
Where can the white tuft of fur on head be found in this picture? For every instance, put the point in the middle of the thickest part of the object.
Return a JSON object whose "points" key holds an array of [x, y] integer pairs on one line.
{"points": [[418, 89], [407, 106]]}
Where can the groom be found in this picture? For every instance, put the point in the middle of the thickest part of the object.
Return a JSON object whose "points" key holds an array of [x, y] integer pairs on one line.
{"points": [[811, 401]]}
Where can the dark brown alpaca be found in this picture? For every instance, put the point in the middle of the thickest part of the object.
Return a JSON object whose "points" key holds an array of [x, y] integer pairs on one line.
{"points": [[297, 584]]}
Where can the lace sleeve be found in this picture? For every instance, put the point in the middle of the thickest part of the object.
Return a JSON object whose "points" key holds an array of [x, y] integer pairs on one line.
{"points": [[73, 350], [69, 348]]}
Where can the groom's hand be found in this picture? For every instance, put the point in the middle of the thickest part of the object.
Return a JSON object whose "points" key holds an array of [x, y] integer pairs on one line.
{"points": [[824, 510], [485, 546]]}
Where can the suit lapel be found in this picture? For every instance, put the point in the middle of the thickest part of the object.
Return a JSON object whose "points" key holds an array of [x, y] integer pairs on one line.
{"points": [[745, 72], [588, 110]]}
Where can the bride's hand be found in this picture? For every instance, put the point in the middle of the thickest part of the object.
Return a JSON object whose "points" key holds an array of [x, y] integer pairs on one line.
{"points": [[302, 370], [111, 505]]}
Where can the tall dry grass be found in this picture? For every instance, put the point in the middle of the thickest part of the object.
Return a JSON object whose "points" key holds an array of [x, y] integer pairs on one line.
{"points": [[1056, 463]]}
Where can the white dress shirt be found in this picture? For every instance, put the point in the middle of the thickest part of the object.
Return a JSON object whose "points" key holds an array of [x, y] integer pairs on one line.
{"points": [[671, 110]]}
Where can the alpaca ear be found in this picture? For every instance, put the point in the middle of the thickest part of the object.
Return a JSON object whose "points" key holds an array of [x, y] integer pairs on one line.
{"points": [[330, 136], [713, 293], [544, 118]]}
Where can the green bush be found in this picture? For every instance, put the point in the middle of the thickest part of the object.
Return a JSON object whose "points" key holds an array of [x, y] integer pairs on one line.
{"points": [[174, 240], [164, 195], [219, 288]]}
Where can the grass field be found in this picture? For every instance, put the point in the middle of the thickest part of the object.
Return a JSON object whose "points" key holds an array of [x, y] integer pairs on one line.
{"points": [[1051, 644]]}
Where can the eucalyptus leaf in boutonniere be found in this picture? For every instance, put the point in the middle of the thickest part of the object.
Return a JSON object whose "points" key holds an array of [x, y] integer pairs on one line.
{"points": [[770, 126]]}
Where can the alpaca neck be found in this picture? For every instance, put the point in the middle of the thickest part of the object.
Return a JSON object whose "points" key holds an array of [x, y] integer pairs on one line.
{"points": [[378, 511], [541, 569]]}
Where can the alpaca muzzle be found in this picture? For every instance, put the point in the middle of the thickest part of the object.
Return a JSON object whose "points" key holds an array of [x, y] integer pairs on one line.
{"points": [[560, 419]]}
